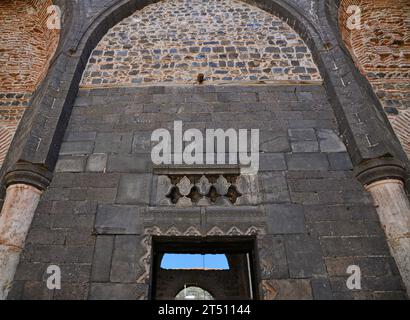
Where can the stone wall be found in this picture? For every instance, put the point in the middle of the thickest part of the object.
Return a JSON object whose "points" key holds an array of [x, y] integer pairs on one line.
{"points": [[312, 219], [26, 47], [175, 40], [381, 50]]}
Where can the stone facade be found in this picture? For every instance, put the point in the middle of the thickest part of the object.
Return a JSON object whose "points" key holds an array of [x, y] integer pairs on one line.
{"points": [[312, 219], [381, 50], [26, 48], [174, 41], [309, 217]]}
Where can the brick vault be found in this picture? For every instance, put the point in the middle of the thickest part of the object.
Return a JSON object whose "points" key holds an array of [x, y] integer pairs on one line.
{"points": [[81, 191]]}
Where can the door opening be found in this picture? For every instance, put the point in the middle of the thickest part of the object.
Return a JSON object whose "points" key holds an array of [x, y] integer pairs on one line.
{"points": [[198, 268]]}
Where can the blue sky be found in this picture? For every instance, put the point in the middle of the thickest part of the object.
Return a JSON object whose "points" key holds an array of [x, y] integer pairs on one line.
{"points": [[190, 261]]}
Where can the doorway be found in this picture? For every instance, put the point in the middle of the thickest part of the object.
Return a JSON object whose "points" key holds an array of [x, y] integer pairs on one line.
{"points": [[203, 268]]}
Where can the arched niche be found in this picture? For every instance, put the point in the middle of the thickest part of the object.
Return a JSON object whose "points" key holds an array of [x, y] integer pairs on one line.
{"points": [[178, 41]]}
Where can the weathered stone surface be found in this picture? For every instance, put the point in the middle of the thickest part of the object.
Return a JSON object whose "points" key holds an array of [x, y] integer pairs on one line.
{"points": [[125, 258], [104, 247], [307, 161], [287, 290], [118, 220], [97, 162], [284, 218], [134, 189], [210, 47], [73, 148], [329, 141], [335, 207], [303, 140], [273, 187], [304, 256], [71, 164], [273, 262], [113, 291], [304, 193]]}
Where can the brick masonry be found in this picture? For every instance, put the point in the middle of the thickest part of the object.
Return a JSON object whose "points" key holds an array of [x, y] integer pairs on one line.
{"points": [[26, 48], [312, 220], [381, 50], [175, 40]]}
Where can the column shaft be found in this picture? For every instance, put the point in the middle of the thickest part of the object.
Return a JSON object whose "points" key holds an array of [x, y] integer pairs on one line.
{"points": [[15, 220], [393, 209]]}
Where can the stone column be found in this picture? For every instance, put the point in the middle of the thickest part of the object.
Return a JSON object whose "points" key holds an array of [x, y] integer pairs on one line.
{"points": [[383, 178], [15, 219], [394, 212], [25, 185]]}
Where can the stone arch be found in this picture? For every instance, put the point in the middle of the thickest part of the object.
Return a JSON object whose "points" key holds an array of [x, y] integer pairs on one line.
{"points": [[27, 46], [177, 40], [320, 34], [310, 28], [380, 48]]}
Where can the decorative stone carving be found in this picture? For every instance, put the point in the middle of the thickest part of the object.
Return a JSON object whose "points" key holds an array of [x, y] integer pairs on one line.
{"points": [[222, 185], [205, 190], [203, 185], [146, 241], [184, 186]]}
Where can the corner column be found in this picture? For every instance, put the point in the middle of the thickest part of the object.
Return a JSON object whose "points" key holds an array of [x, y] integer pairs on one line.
{"points": [[25, 185], [384, 179]]}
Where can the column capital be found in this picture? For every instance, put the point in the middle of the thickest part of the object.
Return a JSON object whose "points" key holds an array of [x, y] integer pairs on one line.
{"points": [[31, 174], [378, 169]]}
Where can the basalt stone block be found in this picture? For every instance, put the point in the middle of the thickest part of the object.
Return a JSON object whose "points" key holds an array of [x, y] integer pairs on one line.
{"points": [[287, 289], [321, 289], [76, 147], [273, 187], [113, 291], [80, 136], [307, 161], [110, 142], [125, 259], [340, 161], [274, 141], [303, 140], [285, 218], [129, 163], [71, 164], [272, 162], [354, 246], [329, 141], [134, 189], [102, 258], [97, 162], [304, 255], [142, 142], [272, 257], [113, 219]]}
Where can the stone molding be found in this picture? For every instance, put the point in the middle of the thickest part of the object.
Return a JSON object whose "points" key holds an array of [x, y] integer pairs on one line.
{"points": [[29, 174], [380, 169]]}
